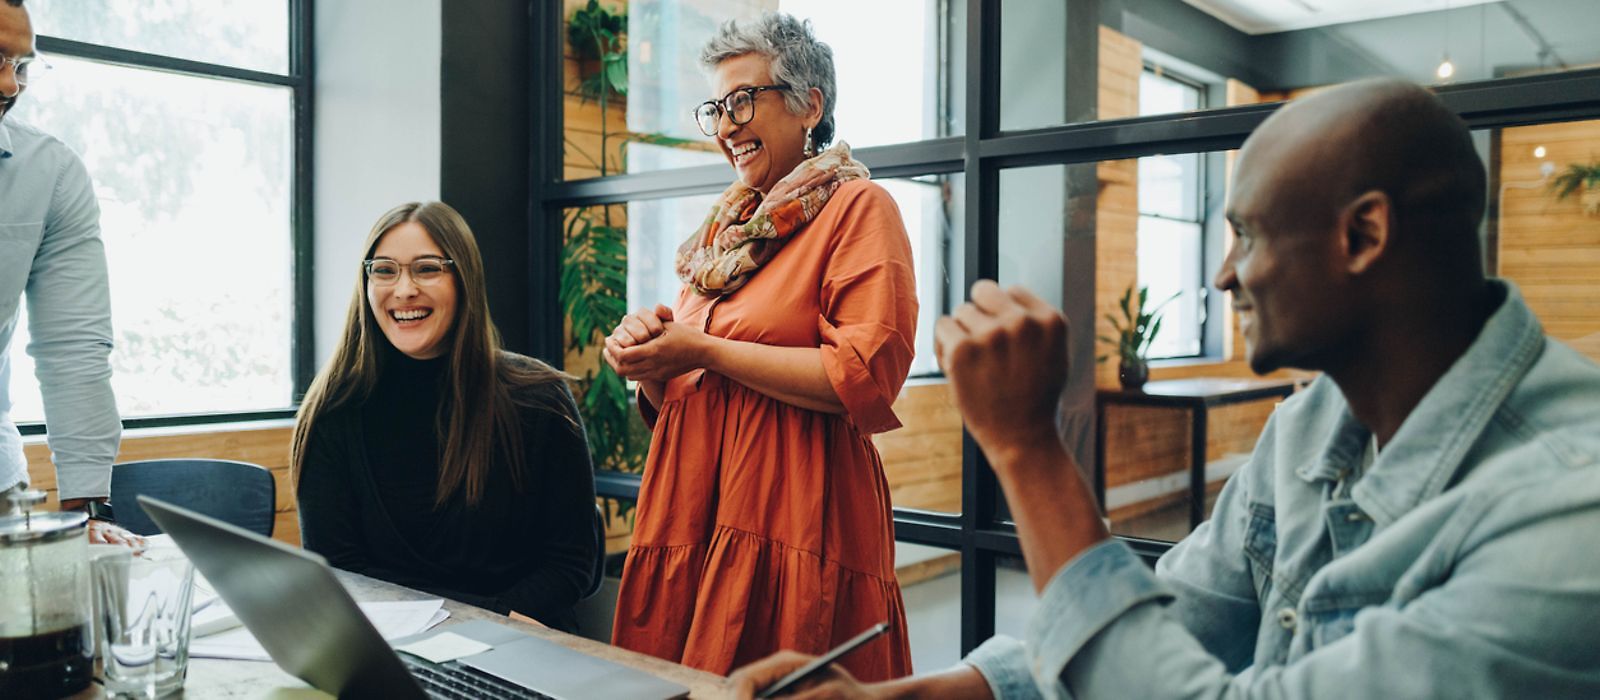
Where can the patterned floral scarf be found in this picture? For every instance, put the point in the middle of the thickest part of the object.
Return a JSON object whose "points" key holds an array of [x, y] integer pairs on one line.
{"points": [[744, 229]]}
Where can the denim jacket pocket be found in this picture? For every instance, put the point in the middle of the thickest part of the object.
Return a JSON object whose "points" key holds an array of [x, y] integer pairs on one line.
{"points": [[1261, 548], [1330, 618]]}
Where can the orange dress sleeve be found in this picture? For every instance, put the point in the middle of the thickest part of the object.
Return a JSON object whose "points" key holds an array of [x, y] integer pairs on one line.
{"points": [[868, 317]]}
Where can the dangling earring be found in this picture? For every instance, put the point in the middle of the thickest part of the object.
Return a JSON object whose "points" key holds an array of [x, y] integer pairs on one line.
{"points": [[811, 146]]}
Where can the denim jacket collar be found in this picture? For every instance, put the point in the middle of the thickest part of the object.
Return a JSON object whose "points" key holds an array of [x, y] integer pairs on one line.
{"points": [[1426, 453]]}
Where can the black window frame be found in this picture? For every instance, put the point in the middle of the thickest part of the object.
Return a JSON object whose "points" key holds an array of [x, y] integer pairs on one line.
{"points": [[300, 79], [981, 532]]}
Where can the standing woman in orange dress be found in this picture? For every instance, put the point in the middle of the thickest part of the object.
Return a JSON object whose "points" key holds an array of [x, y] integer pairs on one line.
{"points": [[764, 520]]}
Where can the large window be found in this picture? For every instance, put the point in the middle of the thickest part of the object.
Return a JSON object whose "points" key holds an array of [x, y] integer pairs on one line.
{"points": [[630, 80], [1172, 210], [190, 118], [1071, 168]]}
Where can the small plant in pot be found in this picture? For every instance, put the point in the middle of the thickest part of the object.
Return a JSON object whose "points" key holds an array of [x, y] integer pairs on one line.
{"points": [[1582, 180], [1135, 330]]}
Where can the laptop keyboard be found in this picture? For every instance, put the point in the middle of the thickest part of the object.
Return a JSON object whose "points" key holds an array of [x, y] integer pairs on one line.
{"points": [[454, 681]]}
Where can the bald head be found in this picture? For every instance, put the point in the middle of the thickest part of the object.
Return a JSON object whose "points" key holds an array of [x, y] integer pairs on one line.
{"points": [[1344, 202], [1318, 154]]}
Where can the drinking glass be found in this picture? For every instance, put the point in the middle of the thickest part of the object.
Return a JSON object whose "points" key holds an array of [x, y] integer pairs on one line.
{"points": [[144, 606]]}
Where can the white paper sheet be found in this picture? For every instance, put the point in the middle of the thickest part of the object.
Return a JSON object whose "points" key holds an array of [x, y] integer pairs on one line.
{"points": [[394, 619], [437, 618], [445, 646]]}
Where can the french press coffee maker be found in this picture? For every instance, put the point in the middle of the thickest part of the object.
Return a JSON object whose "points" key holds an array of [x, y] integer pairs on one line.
{"points": [[46, 638]]}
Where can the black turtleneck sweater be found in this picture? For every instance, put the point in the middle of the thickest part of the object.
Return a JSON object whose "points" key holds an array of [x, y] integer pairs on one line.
{"points": [[368, 484]]}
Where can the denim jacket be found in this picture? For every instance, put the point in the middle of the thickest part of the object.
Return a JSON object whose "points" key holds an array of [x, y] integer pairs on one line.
{"points": [[1462, 563]]}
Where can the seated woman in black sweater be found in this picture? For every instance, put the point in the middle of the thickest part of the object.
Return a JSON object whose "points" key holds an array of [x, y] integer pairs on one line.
{"points": [[426, 455]]}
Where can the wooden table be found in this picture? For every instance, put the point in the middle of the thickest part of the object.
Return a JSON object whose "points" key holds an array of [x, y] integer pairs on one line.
{"points": [[1196, 395], [222, 678]]}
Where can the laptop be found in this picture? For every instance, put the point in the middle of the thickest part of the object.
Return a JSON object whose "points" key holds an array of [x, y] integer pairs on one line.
{"points": [[305, 619]]}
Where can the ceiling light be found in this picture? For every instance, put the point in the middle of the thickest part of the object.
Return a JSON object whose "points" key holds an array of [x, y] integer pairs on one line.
{"points": [[1446, 69], [1539, 152]]}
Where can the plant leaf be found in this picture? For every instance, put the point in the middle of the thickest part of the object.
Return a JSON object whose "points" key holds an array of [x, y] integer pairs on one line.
{"points": [[616, 72]]}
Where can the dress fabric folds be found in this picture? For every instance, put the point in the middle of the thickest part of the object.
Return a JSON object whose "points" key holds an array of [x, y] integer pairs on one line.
{"points": [[764, 526]]}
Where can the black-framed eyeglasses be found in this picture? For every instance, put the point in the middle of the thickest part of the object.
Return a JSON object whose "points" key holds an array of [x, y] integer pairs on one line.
{"points": [[24, 66], [424, 271], [739, 105]]}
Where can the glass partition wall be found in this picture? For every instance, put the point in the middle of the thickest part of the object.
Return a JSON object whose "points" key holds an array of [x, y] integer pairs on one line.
{"points": [[1081, 147]]}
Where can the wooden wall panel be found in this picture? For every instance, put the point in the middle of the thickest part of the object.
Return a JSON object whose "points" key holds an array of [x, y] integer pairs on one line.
{"points": [[1117, 207], [1144, 442], [1234, 429], [264, 446], [922, 460], [1551, 248]]}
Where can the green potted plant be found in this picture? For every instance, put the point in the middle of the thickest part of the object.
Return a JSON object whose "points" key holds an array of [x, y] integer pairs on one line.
{"points": [[1136, 328], [594, 256], [1577, 177]]}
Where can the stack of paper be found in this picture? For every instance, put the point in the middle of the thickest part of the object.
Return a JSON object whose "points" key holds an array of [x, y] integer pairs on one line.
{"points": [[394, 619], [216, 633]]}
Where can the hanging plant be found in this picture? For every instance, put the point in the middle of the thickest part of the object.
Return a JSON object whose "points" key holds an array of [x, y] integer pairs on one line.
{"points": [[1582, 180], [597, 34]]}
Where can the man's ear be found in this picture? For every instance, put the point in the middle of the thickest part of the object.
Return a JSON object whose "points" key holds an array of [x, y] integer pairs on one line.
{"points": [[1367, 223]]}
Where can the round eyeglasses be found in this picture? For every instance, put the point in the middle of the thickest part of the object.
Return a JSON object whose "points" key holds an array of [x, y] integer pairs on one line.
{"points": [[424, 271], [739, 105], [26, 68]]}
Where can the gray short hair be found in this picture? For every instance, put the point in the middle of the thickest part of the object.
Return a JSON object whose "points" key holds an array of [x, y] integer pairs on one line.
{"points": [[798, 60]]}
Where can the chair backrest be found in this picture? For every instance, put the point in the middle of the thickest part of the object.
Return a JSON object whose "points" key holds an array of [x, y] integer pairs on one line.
{"points": [[599, 552], [239, 493]]}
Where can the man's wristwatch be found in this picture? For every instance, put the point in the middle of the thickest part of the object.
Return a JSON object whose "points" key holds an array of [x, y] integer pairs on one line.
{"points": [[98, 510], [101, 511]]}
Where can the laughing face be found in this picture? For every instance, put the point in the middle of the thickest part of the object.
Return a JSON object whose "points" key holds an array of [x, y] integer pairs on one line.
{"points": [[416, 318], [1281, 268], [773, 143]]}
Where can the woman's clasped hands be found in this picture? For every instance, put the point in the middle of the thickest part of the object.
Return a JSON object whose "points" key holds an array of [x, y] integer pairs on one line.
{"points": [[648, 346]]}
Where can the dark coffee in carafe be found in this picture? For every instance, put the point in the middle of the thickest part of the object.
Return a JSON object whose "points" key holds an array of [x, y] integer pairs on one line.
{"points": [[47, 665]]}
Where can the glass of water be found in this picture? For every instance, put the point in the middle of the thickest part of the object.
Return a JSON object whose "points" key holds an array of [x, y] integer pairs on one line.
{"points": [[143, 604]]}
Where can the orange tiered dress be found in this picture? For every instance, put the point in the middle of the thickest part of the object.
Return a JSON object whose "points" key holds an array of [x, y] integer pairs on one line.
{"points": [[763, 526]]}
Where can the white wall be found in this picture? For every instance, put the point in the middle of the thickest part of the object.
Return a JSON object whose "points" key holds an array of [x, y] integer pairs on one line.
{"points": [[1033, 201], [377, 133]]}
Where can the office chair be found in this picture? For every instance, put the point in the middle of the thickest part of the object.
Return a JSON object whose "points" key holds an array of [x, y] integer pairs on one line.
{"points": [[239, 493], [599, 570]]}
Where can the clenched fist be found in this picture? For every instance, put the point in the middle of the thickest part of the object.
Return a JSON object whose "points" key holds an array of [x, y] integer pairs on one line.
{"points": [[1005, 354]]}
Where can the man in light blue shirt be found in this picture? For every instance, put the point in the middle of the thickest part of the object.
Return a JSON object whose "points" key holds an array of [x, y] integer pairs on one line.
{"points": [[50, 249], [1417, 523]]}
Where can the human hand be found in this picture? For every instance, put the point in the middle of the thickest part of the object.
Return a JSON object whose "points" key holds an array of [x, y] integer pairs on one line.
{"points": [[641, 326], [1005, 354], [677, 349], [830, 682], [102, 532]]}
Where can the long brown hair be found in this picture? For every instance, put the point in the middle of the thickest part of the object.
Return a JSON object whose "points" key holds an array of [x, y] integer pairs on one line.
{"points": [[479, 416]]}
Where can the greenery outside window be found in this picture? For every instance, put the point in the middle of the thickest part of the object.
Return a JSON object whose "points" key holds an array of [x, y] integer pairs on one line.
{"points": [[191, 159]]}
